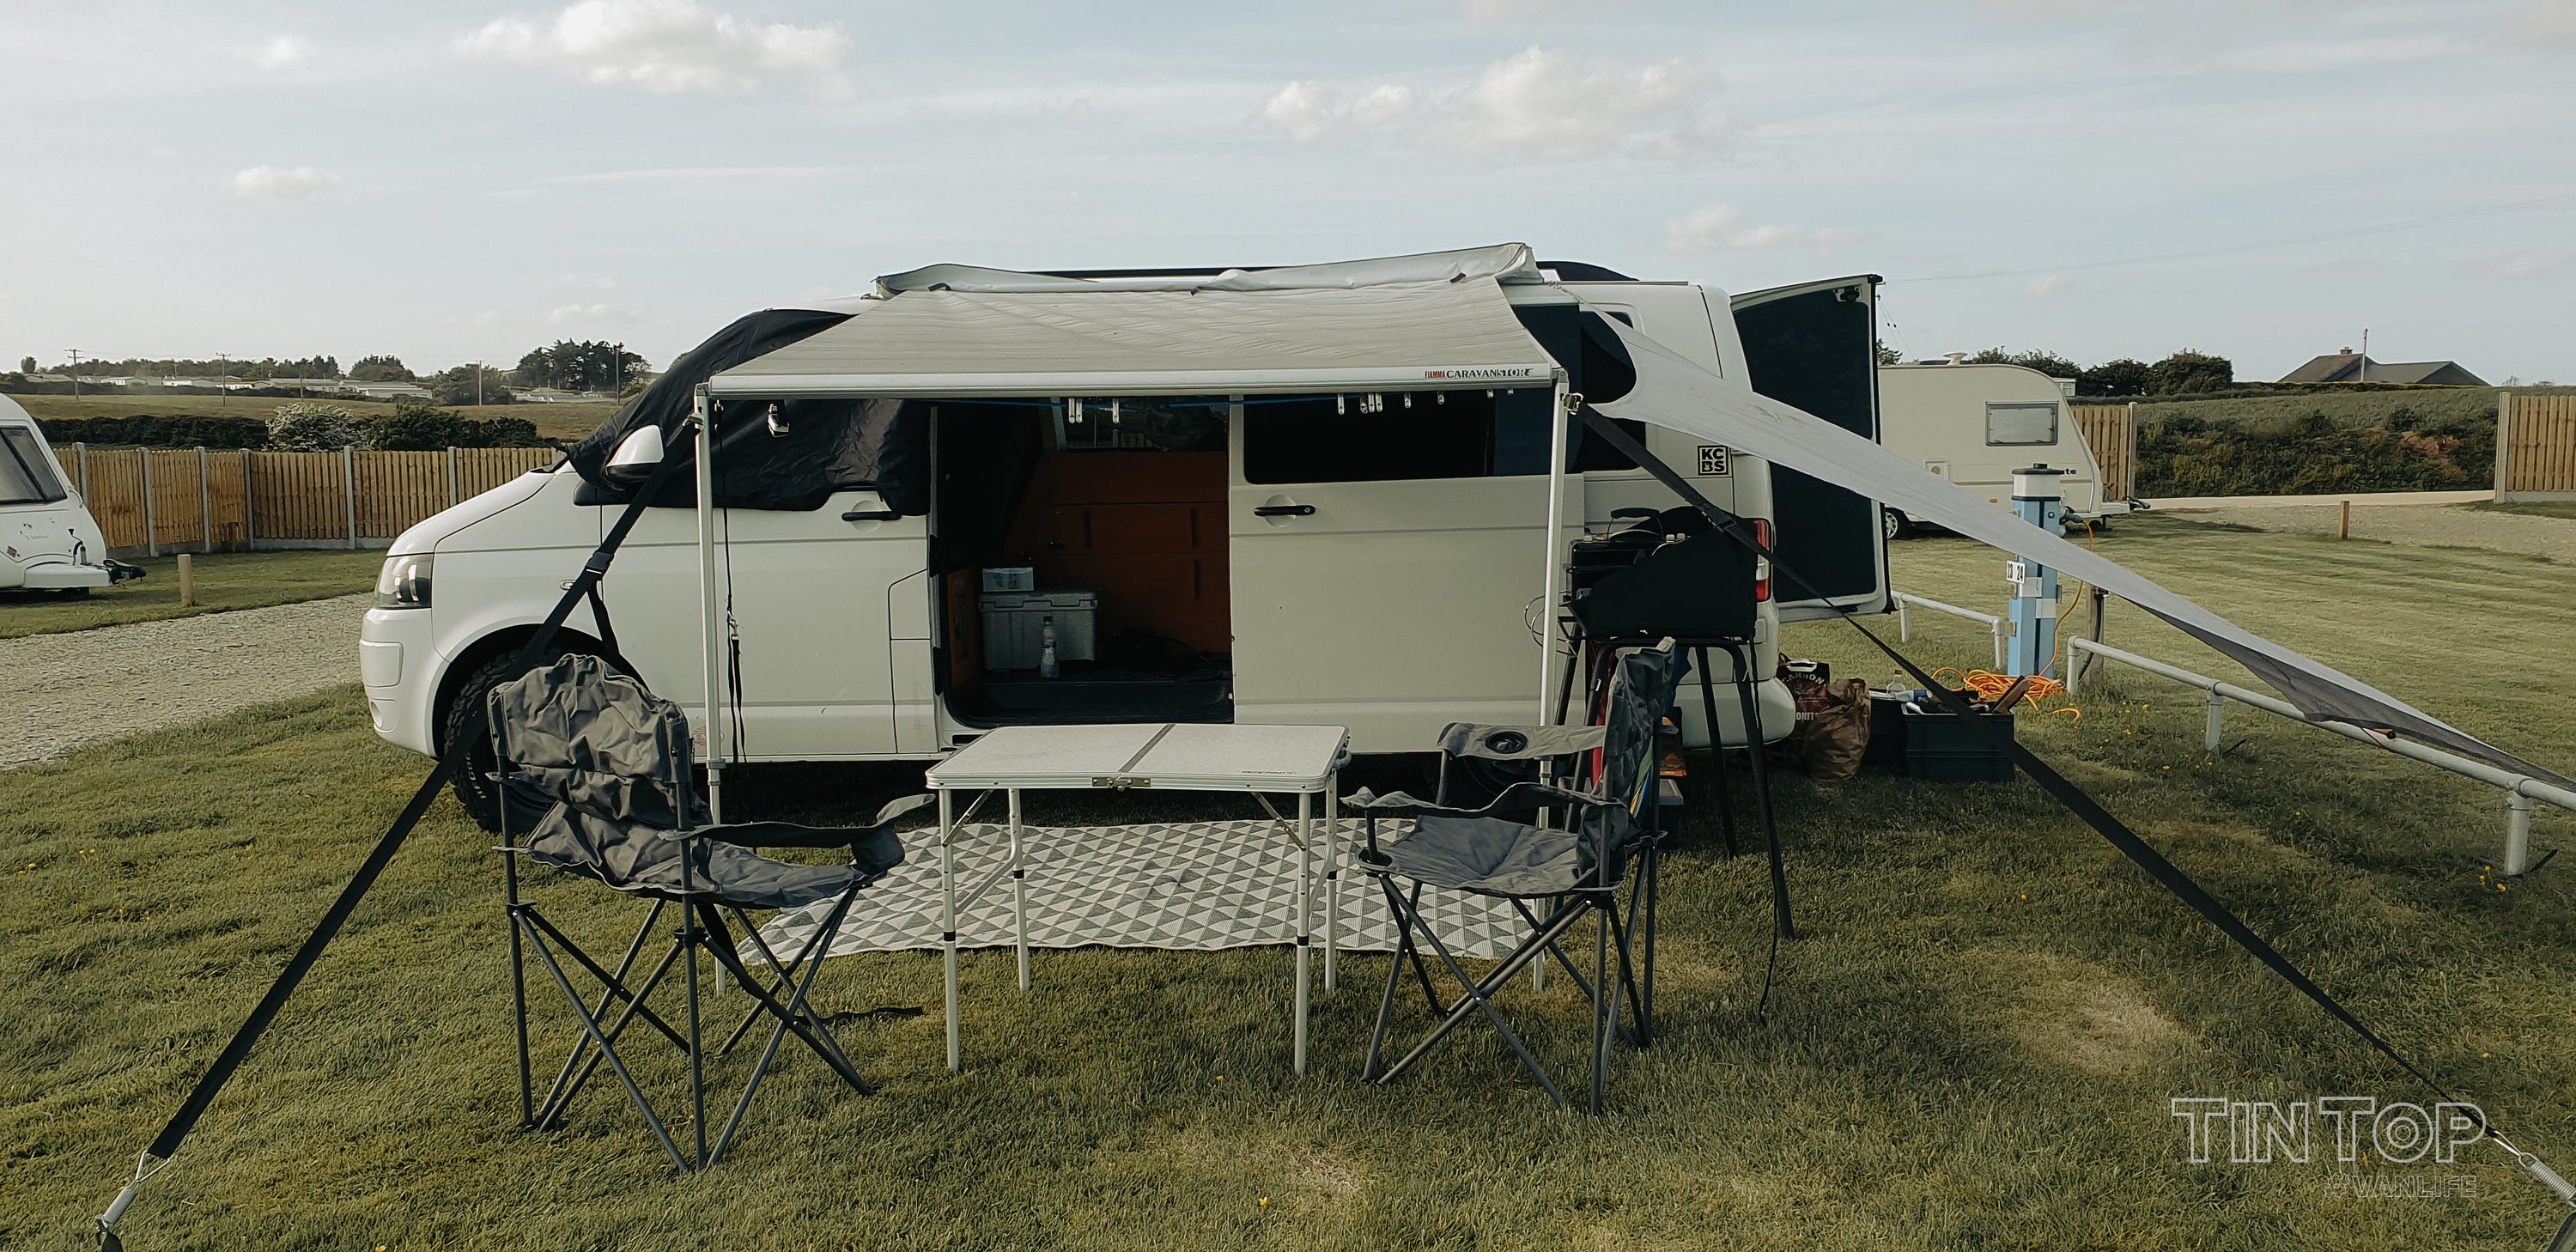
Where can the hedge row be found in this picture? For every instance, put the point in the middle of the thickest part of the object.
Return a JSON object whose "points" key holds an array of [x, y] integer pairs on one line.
{"points": [[2186, 456], [409, 429]]}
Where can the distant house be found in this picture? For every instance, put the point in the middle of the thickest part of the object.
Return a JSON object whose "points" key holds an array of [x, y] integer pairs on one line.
{"points": [[557, 395], [2349, 366]]}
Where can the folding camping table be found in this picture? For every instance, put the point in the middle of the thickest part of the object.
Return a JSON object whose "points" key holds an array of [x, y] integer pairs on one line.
{"points": [[1258, 760]]}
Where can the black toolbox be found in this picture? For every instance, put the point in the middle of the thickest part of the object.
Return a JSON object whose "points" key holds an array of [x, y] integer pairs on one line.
{"points": [[1940, 746]]}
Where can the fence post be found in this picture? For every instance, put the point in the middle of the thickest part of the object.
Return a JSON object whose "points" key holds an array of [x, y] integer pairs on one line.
{"points": [[2217, 722], [453, 499], [2504, 441], [2129, 458], [1904, 623], [349, 488], [205, 505], [2517, 833], [151, 527], [250, 533], [80, 464]]}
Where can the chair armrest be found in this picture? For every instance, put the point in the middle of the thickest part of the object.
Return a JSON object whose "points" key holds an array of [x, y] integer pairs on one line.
{"points": [[1518, 743], [1517, 795]]}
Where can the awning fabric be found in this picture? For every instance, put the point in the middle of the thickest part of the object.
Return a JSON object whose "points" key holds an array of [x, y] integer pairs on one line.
{"points": [[1677, 394], [1505, 263], [945, 343]]}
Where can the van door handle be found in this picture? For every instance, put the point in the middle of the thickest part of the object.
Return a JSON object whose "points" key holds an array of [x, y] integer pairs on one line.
{"points": [[871, 515], [1284, 510]]}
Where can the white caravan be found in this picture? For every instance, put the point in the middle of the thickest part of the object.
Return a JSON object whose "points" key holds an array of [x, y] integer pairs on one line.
{"points": [[1974, 424], [48, 540], [1225, 546]]}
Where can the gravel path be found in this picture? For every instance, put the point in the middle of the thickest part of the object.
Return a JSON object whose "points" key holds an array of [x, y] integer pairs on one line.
{"points": [[2421, 525], [69, 690]]}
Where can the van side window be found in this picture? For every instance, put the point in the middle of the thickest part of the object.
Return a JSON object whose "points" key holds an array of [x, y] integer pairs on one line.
{"points": [[1454, 434], [26, 472], [2012, 424]]}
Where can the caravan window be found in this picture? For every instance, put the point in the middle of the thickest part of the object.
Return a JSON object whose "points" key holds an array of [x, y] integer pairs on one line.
{"points": [[2011, 424], [26, 473], [1454, 434]]}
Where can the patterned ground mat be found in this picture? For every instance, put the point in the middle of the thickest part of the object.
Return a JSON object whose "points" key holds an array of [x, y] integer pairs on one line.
{"points": [[1198, 885]]}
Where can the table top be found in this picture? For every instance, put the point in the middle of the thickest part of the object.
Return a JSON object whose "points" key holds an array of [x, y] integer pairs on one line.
{"points": [[1176, 756]]}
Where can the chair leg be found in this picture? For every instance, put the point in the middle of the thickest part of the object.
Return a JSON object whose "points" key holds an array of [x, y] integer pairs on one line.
{"points": [[599, 1039], [792, 1016], [1479, 996], [786, 980], [692, 938], [1394, 978], [1605, 1006], [787, 1020], [615, 987], [568, 1082], [1717, 752]]}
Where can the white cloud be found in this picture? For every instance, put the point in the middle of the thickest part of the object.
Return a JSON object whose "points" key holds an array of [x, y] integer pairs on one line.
{"points": [[1536, 104], [2054, 284], [280, 53], [664, 45], [2547, 21], [268, 182], [1302, 110], [1713, 229], [579, 314]]}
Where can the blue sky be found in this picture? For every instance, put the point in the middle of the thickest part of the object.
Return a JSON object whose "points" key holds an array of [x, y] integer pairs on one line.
{"points": [[447, 181]]}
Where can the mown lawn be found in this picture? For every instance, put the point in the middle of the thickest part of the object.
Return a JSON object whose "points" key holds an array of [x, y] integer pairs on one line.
{"points": [[1973, 1044], [225, 580]]}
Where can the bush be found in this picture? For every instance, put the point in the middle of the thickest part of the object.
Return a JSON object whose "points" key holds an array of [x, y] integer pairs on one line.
{"points": [[2313, 455], [313, 428], [2189, 371], [157, 432]]}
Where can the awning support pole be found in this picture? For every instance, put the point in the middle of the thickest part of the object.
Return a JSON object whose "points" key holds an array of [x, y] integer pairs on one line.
{"points": [[1557, 425], [710, 638]]}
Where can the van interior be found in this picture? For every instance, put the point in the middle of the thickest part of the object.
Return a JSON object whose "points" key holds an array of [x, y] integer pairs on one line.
{"points": [[1126, 504]]}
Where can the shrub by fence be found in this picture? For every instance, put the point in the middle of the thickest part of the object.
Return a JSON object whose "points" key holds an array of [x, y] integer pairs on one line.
{"points": [[409, 428], [154, 500]]}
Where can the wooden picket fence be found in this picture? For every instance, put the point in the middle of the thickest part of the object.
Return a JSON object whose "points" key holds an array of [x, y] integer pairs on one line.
{"points": [[2535, 447], [154, 500], [2112, 431]]}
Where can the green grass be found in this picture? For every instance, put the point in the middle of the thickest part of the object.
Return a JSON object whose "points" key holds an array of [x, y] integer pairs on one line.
{"points": [[555, 421], [1972, 1045], [225, 580], [2533, 508]]}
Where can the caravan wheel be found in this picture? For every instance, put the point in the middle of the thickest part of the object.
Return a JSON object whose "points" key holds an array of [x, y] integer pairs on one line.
{"points": [[1892, 524]]}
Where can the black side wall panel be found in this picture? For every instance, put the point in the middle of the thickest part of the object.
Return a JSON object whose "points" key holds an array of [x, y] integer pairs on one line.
{"points": [[1817, 350]]}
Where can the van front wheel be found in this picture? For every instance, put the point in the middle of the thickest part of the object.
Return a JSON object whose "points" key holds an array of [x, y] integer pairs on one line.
{"points": [[473, 785]]}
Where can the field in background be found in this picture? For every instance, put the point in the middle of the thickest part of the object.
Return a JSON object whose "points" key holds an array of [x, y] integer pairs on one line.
{"points": [[554, 421], [225, 580], [1974, 1044]]}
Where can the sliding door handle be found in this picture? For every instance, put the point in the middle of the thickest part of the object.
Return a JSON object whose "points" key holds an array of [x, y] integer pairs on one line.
{"points": [[870, 515], [1284, 510]]}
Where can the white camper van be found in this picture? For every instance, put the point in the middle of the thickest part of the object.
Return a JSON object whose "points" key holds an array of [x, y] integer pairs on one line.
{"points": [[1974, 424], [1249, 541], [48, 540]]}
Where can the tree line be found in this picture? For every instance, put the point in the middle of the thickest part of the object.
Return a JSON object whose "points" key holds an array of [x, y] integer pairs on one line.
{"points": [[2181, 373], [569, 364]]}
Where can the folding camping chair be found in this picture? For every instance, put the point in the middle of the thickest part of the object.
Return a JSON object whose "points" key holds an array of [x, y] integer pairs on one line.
{"points": [[596, 771], [1569, 839]]}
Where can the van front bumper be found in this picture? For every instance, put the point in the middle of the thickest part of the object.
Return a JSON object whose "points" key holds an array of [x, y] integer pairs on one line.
{"points": [[395, 651]]}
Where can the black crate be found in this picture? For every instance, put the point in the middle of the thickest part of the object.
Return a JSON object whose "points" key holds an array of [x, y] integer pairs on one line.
{"points": [[1941, 747], [1886, 750]]}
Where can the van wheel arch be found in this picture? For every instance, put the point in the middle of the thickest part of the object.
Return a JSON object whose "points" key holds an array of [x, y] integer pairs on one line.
{"points": [[481, 666]]}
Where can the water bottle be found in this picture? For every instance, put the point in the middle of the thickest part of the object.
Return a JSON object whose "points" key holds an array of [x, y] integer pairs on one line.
{"points": [[1046, 647]]}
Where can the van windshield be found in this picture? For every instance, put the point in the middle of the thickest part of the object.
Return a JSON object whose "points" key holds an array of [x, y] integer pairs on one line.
{"points": [[26, 472]]}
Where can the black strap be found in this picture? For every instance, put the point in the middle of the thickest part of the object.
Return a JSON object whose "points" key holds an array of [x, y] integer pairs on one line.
{"points": [[599, 615], [212, 1082], [2066, 793]]}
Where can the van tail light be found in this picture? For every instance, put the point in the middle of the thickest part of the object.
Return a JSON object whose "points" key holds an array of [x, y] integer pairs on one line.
{"points": [[1762, 564]]}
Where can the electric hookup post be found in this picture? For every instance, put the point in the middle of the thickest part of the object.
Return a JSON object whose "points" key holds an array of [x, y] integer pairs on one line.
{"points": [[2034, 606]]}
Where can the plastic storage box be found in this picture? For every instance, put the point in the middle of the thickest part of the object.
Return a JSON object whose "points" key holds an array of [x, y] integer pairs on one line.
{"points": [[1941, 747], [1014, 624], [1011, 578]]}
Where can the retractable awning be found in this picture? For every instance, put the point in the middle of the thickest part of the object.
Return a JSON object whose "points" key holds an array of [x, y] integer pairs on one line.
{"points": [[1677, 394], [1095, 341]]}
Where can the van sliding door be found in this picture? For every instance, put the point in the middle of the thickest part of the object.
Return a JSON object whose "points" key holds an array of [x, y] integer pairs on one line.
{"points": [[1386, 565], [1815, 345]]}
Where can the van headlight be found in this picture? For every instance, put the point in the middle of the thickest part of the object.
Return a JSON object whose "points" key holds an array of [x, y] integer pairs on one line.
{"points": [[404, 584]]}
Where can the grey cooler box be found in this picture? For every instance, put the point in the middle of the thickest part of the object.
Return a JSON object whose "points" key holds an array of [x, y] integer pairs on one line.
{"points": [[1014, 622]]}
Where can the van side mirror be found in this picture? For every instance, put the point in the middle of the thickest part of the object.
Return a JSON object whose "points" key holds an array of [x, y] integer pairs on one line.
{"points": [[636, 455]]}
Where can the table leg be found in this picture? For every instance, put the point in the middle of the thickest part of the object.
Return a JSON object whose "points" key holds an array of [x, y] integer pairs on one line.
{"points": [[1332, 882], [1019, 893], [1305, 912], [948, 920]]}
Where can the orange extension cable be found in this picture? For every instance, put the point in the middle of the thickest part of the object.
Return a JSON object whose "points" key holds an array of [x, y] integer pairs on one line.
{"points": [[1990, 687]]}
